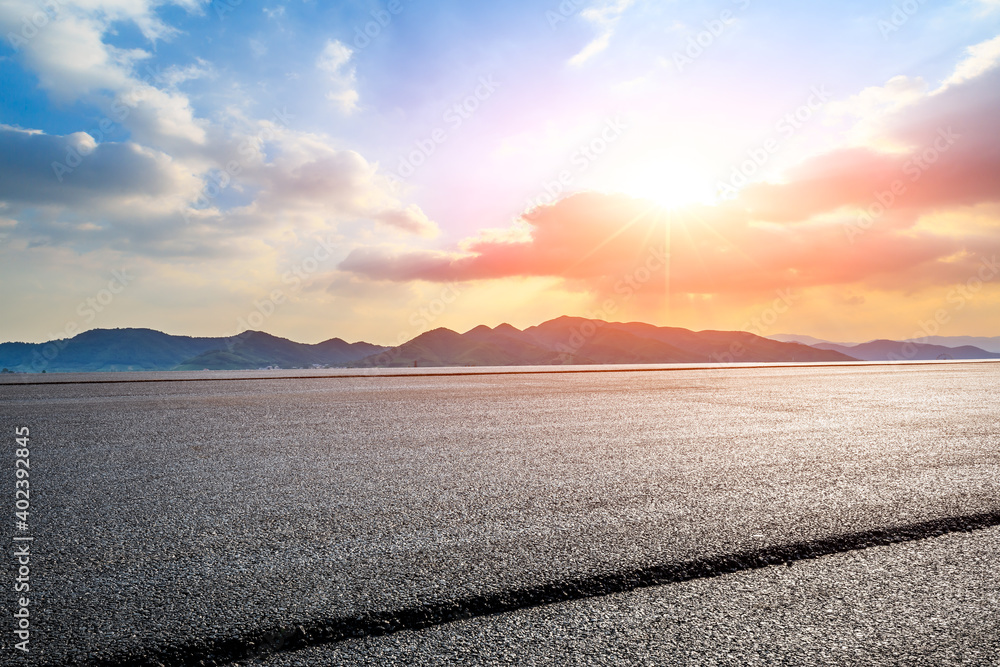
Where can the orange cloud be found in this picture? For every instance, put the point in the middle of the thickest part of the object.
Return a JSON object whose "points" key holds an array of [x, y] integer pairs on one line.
{"points": [[844, 217], [597, 240]]}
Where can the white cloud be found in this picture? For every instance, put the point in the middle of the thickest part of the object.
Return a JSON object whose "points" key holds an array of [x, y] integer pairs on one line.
{"points": [[592, 49], [334, 60], [38, 169], [155, 200], [72, 60], [347, 100], [334, 55], [66, 46], [605, 17], [981, 58], [161, 118], [175, 76], [898, 92], [873, 111], [68, 54]]}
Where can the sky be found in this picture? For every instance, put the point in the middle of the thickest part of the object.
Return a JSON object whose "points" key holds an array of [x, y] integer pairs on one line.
{"points": [[373, 170]]}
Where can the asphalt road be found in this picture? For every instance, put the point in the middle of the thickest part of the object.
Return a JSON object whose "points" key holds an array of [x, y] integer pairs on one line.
{"points": [[205, 515], [936, 602]]}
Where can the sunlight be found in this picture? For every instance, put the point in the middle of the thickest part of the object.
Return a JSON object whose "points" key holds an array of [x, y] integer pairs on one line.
{"points": [[671, 186]]}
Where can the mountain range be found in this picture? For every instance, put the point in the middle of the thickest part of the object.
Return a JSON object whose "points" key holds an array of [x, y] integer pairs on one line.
{"points": [[564, 340], [987, 344], [894, 350], [150, 350], [575, 340]]}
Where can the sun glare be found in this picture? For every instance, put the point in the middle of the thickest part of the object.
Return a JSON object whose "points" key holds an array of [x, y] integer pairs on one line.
{"points": [[669, 186]]}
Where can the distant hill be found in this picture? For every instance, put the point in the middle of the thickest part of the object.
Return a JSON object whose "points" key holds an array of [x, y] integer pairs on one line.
{"points": [[732, 346], [106, 350], [969, 347], [575, 340], [256, 349], [149, 350], [894, 350], [805, 340], [983, 343], [562, 341], [444, 347]]}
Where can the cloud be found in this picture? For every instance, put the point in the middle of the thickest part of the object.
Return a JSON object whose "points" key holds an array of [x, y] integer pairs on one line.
{"points": [[135, 198], [68, 51], [410, 219], [605, 18], [981, 58], [161, 118], [947, 153], [334, 60], [595, 46], [989, 5], [182, 185], [593, 241], [306, 176], [898, 92], [73, 61], [802, 232], [38, 169]]}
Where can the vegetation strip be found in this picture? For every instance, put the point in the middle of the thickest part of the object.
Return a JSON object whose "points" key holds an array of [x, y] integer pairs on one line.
{"points": [[318, 632]]}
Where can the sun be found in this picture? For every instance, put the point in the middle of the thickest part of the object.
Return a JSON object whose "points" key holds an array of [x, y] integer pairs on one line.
{"points": [[669, 186]]}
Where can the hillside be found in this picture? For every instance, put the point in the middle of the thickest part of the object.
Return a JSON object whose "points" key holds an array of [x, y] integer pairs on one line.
{"points": [[989, 344], [106, 350], [894, 350], [561, 341], [575, 340], [150, 350]]}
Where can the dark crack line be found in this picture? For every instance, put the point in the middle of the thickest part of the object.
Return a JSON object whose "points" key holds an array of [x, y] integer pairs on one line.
{"points": [[316, 632]]}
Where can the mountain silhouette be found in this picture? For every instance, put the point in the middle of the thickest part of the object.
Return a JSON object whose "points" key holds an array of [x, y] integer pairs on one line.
{"points": [[576, 340], [561, 341], [894, 350], [150, 350]]}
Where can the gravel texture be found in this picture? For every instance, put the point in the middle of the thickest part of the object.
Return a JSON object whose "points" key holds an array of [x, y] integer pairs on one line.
{"points": [[168, 514], [931, 603]]}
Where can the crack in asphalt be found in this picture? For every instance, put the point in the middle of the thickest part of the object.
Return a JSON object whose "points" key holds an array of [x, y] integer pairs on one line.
{"points": [[295, 636]]}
